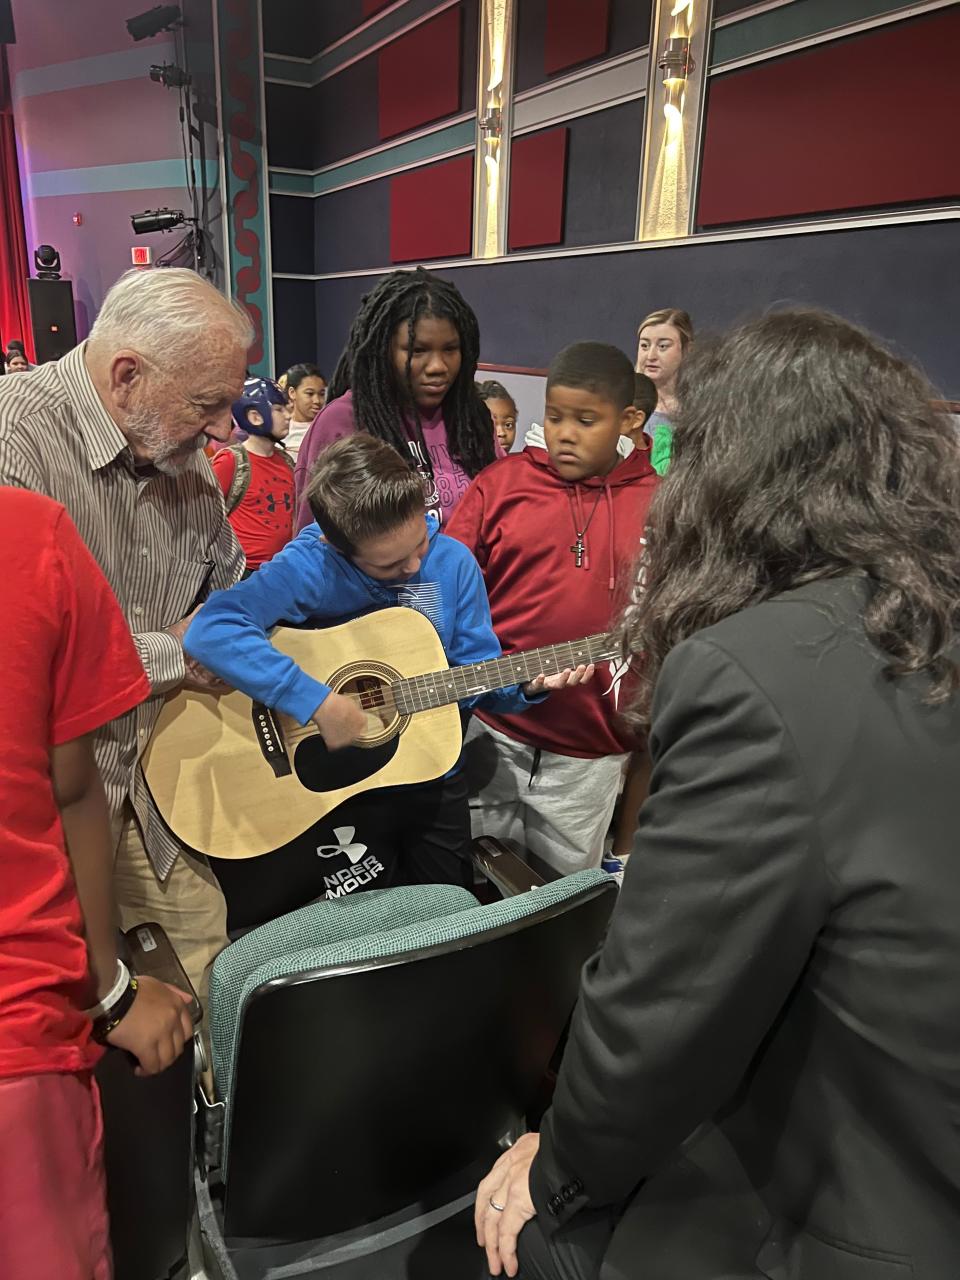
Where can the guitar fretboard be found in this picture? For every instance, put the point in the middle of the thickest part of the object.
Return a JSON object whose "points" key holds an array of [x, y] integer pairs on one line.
{"points": [[437, 688]]}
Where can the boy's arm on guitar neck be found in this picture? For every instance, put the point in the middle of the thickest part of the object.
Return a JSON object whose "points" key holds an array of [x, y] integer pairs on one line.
{"points": [[474, 640], [229, 636]]}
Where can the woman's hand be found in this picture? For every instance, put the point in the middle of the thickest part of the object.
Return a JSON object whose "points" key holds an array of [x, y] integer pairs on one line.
{"points": [[565, 679], [504, 1206]]}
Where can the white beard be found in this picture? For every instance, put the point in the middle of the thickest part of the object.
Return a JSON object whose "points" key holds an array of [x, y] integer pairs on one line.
{"points": [[145, 428]]}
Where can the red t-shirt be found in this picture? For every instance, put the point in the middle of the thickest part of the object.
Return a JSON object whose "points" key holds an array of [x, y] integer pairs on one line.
{"points": [[263, 519], [69, 665]]}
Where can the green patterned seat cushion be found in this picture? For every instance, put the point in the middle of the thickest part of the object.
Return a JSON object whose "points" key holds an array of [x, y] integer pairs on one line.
{"points": [[452, 919], [318, 925]]}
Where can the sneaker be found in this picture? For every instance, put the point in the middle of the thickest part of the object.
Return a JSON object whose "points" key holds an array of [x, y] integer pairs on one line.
{"points": [[613, 866]]}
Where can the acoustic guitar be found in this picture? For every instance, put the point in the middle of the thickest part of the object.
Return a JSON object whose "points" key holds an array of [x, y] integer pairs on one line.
{"points": [[234, 779]]}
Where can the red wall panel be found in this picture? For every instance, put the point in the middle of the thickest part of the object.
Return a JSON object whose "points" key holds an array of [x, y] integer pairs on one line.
{"points": [[431, 211], [420, 75], [577, 30], [374, 6], [861, 123], [538, 179]]}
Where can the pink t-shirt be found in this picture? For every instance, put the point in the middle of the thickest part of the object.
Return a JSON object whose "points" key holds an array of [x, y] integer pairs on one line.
{"points": [[444, 487]]}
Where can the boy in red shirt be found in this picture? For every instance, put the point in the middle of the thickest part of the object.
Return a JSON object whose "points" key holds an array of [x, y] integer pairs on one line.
{"points": [[553, 530], [256, 476], [69, 666]]}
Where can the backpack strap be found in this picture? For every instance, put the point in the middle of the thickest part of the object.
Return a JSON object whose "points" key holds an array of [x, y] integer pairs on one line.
{"points": [[241, 478]]}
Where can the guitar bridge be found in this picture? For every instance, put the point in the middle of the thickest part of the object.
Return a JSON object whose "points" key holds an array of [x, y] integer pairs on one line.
{"points": [[270, 740]]}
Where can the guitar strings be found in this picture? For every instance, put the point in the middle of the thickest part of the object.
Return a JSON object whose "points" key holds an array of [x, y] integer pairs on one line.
{"points": [[426, 687]]}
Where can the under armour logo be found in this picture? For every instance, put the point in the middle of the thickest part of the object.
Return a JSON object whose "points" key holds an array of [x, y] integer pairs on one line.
{"points": [[345, 836], [272, 502]]}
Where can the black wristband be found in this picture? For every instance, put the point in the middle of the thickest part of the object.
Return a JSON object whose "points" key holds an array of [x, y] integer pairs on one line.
{"points": [[110, 1018]]}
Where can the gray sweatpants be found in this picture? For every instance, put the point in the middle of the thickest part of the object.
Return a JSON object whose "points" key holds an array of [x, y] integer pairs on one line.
{"points": [[559, 807]]}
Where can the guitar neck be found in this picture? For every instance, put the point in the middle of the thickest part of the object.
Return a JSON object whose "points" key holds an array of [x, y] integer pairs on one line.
{"points": [[438, 688]]}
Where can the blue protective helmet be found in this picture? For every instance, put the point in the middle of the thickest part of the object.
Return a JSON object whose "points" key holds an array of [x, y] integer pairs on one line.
{"points": [[260, 394]]}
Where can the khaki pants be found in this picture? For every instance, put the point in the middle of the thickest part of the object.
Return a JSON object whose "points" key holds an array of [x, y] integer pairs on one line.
{"points": [[189, 904]]}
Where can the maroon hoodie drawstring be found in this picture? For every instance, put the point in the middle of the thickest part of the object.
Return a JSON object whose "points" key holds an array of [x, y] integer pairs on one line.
{"points": [[611, 581]]}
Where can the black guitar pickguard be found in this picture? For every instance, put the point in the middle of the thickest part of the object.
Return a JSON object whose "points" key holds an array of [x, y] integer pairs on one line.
{"points": [[320, 769]]}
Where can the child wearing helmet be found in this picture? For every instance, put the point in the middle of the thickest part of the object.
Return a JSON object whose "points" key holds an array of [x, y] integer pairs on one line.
{"points": [[256, 475]]}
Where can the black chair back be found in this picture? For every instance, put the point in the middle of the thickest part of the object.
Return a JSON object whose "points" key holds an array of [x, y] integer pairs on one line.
{"points": [[364, 1088]]}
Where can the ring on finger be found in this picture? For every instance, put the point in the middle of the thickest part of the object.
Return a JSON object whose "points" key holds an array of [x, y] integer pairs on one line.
{"points": [[499, 1207]]}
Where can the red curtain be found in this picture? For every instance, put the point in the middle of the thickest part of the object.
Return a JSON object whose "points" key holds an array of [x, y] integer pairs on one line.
{"points": [[14, 267]]}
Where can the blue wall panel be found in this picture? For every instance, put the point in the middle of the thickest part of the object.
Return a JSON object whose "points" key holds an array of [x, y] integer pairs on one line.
{"points": [[291, 234], [603, 175], [891, 279], [309, 128], [352, 227], [291, 26], [295, 322]]}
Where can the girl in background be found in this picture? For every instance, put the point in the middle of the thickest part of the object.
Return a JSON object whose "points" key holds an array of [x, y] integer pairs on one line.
{"points": [[663, 339], [306, 389], [406, 377], [503, 411]]}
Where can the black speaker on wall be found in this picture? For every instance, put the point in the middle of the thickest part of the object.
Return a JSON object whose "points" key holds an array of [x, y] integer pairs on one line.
{"points": [[51, 310]]}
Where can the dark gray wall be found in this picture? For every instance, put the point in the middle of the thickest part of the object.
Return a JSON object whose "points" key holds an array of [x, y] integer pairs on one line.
{"points": [[899, 281]]}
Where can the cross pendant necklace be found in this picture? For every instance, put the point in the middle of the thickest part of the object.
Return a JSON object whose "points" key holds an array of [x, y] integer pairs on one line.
{"points": [[579, 549]]}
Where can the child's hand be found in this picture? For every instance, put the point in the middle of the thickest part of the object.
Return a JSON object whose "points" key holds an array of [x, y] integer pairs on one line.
{"points": [[562, 680], [340, 721], [156, 1028]]}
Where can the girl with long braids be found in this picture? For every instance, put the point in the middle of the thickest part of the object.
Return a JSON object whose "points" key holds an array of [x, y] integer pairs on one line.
{"points": [[406, 376]]}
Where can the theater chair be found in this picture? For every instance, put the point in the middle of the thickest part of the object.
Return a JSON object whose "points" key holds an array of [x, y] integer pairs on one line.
{"points": [[148, 1139], [372, 1057]]}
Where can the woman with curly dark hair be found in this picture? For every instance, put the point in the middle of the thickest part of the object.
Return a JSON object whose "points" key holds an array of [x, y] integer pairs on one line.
{"points": [[406, 377], [763, 1074]]}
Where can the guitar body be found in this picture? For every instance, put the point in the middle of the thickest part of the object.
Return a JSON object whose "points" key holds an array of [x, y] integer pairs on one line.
{"points": [[215, 765]]}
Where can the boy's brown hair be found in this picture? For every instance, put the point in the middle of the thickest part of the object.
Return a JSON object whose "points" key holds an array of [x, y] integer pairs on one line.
{"points": [[361, 488]]}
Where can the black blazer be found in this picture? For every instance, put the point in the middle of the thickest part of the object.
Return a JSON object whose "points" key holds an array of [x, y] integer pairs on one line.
{"points": [[785, 961]]}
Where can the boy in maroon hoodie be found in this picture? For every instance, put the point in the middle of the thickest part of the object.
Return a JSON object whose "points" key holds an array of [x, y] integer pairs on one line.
{"points": [[554, 529]]}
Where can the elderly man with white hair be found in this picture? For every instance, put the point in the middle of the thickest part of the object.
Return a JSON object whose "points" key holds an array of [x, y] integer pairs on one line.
{"points": [[114, 431]]}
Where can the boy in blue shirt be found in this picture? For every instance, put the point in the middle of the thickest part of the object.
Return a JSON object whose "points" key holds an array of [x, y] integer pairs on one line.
{"points": [[373, 547]]}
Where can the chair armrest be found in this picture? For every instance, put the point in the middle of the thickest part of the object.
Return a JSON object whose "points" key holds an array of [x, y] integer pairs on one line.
{"points": [[150, 954], [504, 863]]}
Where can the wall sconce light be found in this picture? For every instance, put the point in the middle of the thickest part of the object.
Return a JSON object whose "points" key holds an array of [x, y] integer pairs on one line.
{"points": [[676, 83], [494, 118], [676, 64]]}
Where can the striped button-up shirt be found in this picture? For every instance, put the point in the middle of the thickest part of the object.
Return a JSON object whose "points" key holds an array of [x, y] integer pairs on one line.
{"points": [[162, 541]]}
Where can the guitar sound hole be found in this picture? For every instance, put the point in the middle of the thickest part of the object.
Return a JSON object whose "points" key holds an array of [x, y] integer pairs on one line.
{"points": [[320, 769], [376, 702]]}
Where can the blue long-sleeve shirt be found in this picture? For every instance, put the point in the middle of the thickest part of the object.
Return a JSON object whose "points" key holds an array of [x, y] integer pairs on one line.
{"points": [[311, 580]]}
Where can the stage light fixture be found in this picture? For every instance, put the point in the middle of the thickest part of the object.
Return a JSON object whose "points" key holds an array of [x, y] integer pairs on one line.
{"points": [[170, 76], [157, 220], [47, 261], [164, 17]]}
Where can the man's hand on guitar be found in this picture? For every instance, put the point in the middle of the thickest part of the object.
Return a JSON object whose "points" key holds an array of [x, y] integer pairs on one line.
{"points": [[339, 720], [200, 680], [562, 680]]}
